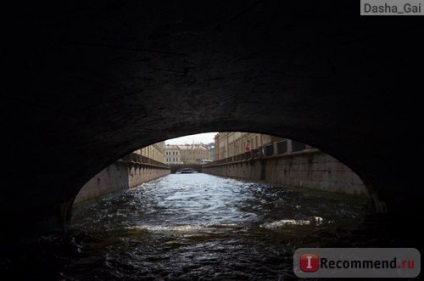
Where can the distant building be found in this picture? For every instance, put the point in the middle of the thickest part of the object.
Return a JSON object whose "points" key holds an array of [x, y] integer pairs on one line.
{"points": [[172, 154], [228, 144], [186, 154], [211, 149], [154, 151]]}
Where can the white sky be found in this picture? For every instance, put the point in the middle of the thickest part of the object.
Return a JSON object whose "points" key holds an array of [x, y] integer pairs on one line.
{"points": [[198, 138]]}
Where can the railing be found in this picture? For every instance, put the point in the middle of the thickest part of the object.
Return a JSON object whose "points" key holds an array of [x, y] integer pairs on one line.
{"points": [[267, 150], [298, 146], [140, 159], [282, 147]]}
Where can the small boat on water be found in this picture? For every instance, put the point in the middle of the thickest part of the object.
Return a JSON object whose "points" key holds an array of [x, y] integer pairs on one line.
{"points": [[186, 171]]}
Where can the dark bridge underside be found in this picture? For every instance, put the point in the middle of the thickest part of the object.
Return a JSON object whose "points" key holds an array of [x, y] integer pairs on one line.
{"points": [[93, 81]]}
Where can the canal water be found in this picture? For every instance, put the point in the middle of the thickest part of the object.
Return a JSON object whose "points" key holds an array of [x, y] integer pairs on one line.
{"points": [[199, 227]]}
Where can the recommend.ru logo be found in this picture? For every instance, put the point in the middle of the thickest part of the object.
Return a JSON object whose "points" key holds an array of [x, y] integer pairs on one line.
{"points": [[357, 262]]}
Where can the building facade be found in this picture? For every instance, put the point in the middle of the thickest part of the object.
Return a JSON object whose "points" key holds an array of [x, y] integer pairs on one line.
{"points": [[228, 144], [172, 154], [154, 152], [186, 154], [211, 149]]}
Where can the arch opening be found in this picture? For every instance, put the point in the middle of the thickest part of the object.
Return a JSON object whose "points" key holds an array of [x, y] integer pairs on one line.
{"points": [[226, 149]]}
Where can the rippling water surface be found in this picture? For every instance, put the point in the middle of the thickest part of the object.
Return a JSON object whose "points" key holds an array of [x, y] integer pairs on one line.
{"points": [[194, 227], [203, 227]]}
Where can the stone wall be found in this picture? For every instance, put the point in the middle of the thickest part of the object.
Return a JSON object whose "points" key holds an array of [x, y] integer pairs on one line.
{"points": [[120, 175], [309, 168]]}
